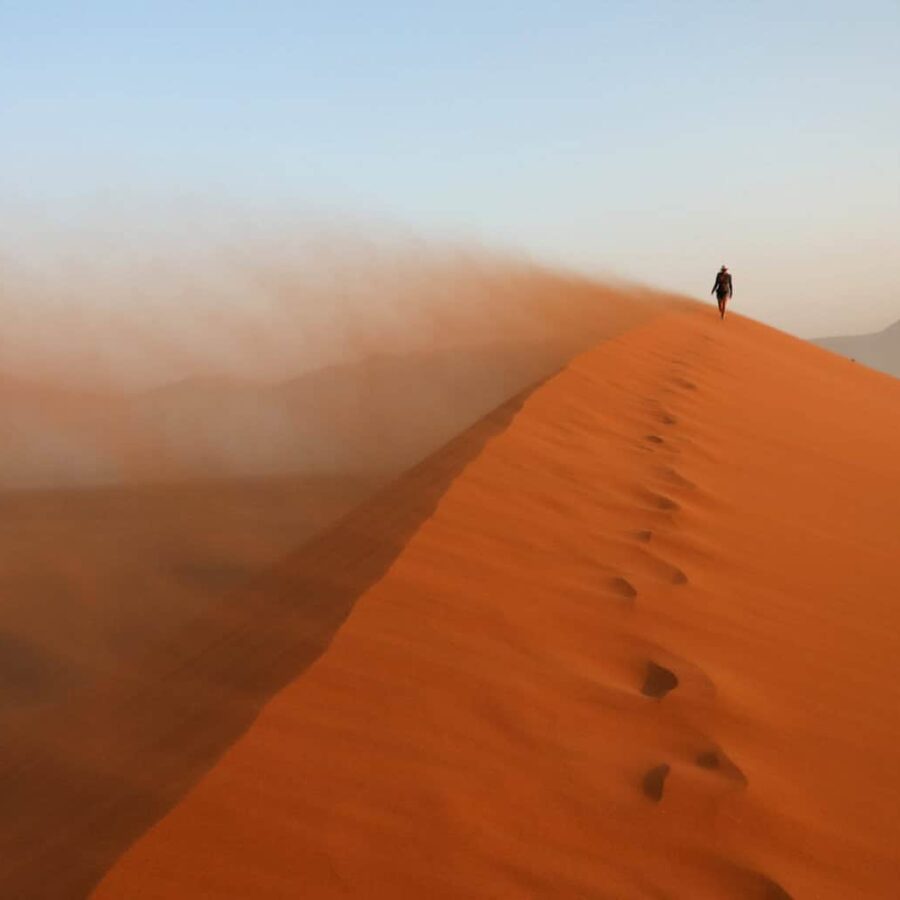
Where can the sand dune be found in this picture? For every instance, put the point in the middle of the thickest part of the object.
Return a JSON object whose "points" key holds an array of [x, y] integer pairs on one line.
{"points": [[101, 592], [172, 661], [642, 643], [130, 658], [880, 350]]}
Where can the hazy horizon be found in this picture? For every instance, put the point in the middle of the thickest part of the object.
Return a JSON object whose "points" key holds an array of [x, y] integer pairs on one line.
{"points": [[647, 141]]}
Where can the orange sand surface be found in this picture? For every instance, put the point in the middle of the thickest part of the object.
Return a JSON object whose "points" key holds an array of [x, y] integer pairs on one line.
{"points": [[646, 645]]}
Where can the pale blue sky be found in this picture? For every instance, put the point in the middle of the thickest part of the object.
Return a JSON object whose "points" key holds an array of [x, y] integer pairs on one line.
{"points": [[655, 140]]}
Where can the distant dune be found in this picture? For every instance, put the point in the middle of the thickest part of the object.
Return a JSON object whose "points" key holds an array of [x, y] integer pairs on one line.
{"points": [[634, 636], [377, 416], [234, 393], [880, 350]]}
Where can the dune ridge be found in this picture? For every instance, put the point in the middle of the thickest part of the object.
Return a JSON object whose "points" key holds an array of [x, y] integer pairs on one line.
{"points": [[644, 646]]}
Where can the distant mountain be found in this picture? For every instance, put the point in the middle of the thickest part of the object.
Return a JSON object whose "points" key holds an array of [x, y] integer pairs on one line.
{"points": [[880, 350]]}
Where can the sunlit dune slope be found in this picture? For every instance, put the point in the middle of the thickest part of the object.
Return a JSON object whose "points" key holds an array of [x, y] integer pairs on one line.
{"points": [[645, 646]]}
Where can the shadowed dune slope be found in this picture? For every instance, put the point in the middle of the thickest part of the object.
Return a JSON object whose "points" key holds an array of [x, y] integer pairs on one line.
{"points": [[645, 646], [117, 699], [103, 598]]}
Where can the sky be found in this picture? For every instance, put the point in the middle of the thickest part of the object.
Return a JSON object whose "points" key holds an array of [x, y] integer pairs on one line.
{"points": [[654, 141]]}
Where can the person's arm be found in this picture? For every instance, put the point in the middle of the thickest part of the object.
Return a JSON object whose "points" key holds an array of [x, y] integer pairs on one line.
{"points": [[730, 286], [716, 284]]}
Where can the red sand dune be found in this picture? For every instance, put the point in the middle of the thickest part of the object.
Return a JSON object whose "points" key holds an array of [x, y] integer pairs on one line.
{"points": [[645, 646], [129, 658]]}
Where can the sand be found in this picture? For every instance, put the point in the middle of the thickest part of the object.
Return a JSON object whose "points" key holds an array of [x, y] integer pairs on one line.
{"points": [[102, 592], [139, 637], [635, 637]]}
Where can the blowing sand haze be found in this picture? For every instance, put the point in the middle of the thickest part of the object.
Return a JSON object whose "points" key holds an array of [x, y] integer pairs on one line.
{"points": [[132, 654], [382, 513]]}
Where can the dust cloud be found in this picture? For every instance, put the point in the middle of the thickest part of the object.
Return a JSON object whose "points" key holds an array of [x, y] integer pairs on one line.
{"points": [[165, 354]]}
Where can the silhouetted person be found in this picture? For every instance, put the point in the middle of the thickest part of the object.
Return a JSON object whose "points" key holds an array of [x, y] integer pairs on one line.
{"points": [[722, 288]]}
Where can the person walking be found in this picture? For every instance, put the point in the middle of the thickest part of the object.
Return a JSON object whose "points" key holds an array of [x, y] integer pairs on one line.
{"points": [[723, 289]]}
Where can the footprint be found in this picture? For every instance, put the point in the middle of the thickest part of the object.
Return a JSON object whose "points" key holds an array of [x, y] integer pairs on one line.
{"points": [[644, 535], [663, 570], [758, 885], [667, 419], [684, 383], [654, 782], [694, 683], [623, 588], [656, 500], [772, 889], [717, 761], [673, 476], [654, 439], [661, 501], [658, 681]]}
